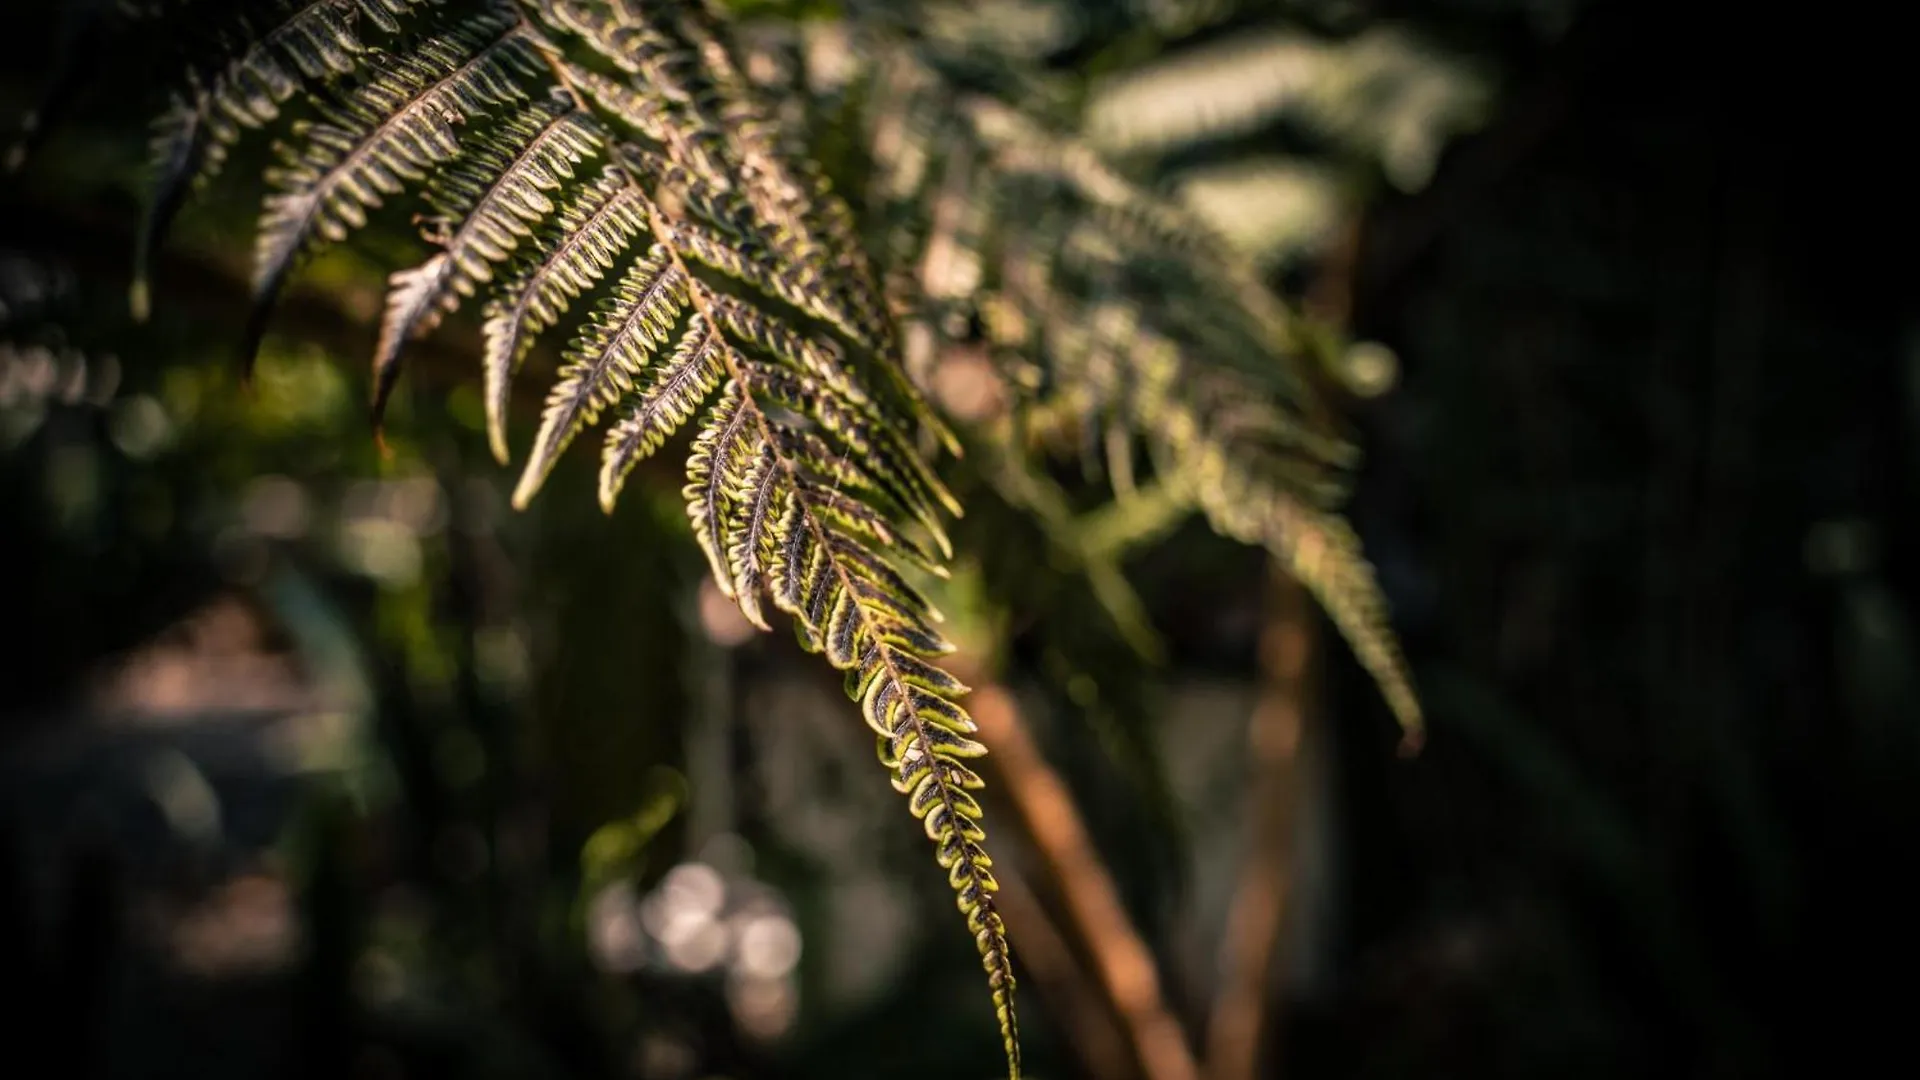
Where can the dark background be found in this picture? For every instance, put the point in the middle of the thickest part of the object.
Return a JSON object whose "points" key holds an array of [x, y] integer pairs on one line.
{"points": [[1638, 502]]}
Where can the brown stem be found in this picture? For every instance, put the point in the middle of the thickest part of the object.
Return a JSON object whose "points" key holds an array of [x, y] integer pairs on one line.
{"points": [[1121, 960], [1048, 959], [1257, 912], [1331, 296]]}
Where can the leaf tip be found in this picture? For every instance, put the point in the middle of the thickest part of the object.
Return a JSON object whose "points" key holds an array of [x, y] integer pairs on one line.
{"points": [[526, 489]]}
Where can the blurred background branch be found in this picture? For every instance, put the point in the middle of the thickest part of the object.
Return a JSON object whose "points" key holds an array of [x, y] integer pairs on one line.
{"points": [[1250, 946], [1121, 962]]}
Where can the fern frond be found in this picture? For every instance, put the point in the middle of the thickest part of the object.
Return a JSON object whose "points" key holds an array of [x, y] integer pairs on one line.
{"points": [[1146, 321], [1381, 95], [750, 531], [867, 620], [786, 191], [558, 144], [879, 447], [639, 113], [185, 151], [663, 401], [772, 526], [1322, 552], [716, 453]]}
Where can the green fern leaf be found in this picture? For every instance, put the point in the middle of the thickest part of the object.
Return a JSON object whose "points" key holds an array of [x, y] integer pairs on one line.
{"points": [[395, 126], [756, 500], [662, 402], [185, 151], [749, 499], [613, 348], [314, 40], [1321, 552], [580, 245], [879, 447], [491, 201], [711, 476], [1149, 324]]}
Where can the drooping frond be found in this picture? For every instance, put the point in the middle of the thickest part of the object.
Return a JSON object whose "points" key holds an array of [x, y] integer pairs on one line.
{"points": [[1144, 321], [769, 523], [1321, 551], [614, 150]]}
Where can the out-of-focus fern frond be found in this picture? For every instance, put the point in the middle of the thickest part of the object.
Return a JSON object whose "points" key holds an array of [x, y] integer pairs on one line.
{"points": [[1379, 96], [1130, 309]]}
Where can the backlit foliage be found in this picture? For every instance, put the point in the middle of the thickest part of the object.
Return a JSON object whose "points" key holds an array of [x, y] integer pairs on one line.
{"points": [[567, 148], [603, 174]]}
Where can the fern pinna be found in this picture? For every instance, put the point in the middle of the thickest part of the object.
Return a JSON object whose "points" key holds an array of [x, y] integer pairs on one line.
{"points": [[568, 147]]}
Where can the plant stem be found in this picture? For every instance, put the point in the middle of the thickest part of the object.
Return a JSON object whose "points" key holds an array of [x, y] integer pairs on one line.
{"points": [[1257, 912], [1121, 961]]}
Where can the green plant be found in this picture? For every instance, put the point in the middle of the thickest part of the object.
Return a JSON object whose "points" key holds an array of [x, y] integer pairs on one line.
{"points": [[608, 166]]}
